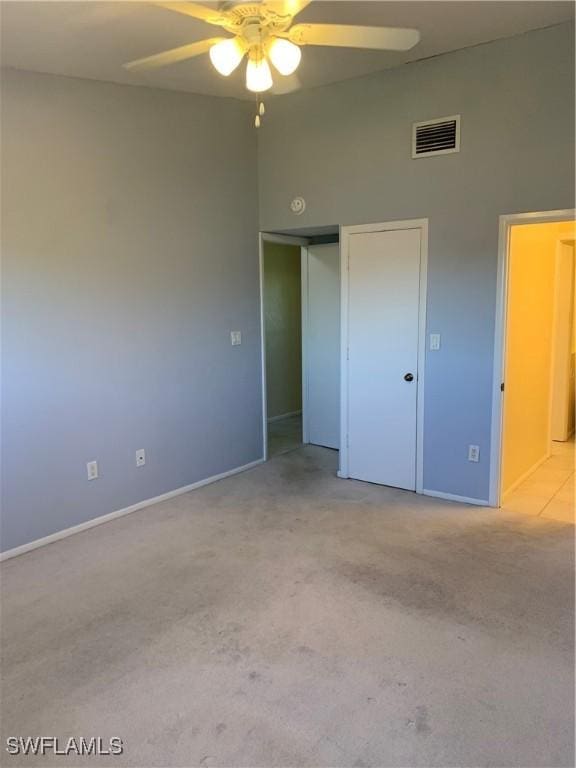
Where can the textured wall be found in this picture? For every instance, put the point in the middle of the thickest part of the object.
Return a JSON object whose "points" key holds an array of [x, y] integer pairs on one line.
{"points": [[346, 149], [130, 252]]}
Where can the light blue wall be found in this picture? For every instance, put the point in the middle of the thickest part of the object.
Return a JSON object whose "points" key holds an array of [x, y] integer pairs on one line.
{"points": [[130, 251], [346, 149], [129, 239]]}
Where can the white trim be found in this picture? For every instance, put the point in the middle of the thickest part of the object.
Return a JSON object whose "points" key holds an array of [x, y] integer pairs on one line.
{"points": [[305, 306], [269, 237], [526, 474], [10, 553], [562, 240], [454, 497], [344, 239], [422, 311], [284, 416], [554, 338], [261, 240], [496, 427], [345, 232]]}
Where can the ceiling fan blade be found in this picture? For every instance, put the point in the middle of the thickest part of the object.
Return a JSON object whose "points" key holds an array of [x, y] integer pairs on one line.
{"points": [[287, 7], [341, 35], [173, 55], [197, 11]]}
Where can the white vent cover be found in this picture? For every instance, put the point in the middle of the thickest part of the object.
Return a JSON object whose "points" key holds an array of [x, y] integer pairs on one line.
{"points": [[436, 137]]}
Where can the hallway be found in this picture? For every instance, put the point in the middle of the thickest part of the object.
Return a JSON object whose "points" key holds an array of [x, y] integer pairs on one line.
{"points": [[284, 434], [549, 491]]}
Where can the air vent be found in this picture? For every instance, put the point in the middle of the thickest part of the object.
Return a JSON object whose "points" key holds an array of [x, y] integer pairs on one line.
{"points": [[436, 137]]}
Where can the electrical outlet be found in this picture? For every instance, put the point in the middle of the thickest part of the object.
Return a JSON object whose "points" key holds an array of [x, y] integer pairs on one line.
{"points": [[434, 342], [92, 470], [140, 457], [235, 338], [474, 453]]}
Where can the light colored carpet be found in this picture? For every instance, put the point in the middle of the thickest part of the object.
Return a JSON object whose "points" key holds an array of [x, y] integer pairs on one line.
{"points": [[284, 617]]}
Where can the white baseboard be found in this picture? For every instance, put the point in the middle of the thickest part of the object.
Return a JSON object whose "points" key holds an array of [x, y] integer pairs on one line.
{"points": [[564, 439], [526, 475], [438, 494], [454, 497], [284, 416], [121, 512]]}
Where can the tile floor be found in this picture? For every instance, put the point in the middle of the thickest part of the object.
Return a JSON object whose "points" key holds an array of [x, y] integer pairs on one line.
{"points": [[549, 491], [284, 435]]}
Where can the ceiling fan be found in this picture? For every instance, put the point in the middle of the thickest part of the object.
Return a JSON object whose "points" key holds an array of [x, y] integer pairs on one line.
{"points": [[263, 31]]}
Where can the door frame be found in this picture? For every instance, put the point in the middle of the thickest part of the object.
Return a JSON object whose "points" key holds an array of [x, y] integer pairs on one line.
{"points": [[345, 233], [563, 240], [506, 222], [304, 259], [270, 237]]}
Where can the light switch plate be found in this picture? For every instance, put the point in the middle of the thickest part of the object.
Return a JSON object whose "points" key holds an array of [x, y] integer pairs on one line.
{"points": [[92, 470], [140, 457], [474, 453], [235, 338], [434, 342]]}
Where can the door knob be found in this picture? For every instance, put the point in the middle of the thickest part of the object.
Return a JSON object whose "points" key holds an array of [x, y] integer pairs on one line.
{"points": [[409, 377]]}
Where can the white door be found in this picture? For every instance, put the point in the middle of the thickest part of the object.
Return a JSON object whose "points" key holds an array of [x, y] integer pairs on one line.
{"points": [[383, 322], [322, 350]]}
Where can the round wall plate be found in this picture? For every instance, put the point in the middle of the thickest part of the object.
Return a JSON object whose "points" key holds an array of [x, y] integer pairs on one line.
{"points": [[298, 206]]}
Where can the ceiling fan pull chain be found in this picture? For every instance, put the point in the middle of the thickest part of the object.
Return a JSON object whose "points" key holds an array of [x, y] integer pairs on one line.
{"points": [[260, 111]]}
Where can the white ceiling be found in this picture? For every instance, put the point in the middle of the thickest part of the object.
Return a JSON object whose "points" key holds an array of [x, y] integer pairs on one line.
{"points": [[93, 39]]}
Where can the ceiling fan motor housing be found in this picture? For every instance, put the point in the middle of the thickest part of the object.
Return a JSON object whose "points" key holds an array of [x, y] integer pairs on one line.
{"points": [[244, 17], [255, 26]]}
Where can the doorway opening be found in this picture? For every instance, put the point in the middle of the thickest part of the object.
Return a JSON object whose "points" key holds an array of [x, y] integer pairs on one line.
{"points": [[300, 311], [282, 307], [535, 454]]}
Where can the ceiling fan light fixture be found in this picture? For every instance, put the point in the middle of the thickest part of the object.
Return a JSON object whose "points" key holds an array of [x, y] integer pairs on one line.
{"points": [[258, 75], [264, 31], [284, 55], [227, 55]]}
